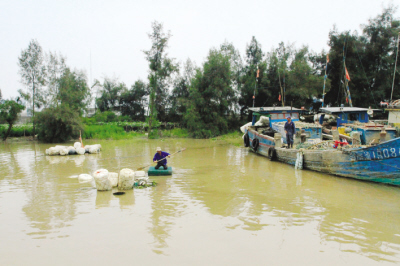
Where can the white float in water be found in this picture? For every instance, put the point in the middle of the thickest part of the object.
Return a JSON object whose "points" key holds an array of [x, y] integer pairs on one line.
{"points": [[101, 179]]}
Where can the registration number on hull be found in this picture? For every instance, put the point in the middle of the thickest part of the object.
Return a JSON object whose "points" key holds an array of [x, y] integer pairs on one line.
{"points": [[376, 154]]}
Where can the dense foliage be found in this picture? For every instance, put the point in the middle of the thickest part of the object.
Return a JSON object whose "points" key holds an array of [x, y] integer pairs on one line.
{"points": [[9, 111], [58, 124], [61, 122]]}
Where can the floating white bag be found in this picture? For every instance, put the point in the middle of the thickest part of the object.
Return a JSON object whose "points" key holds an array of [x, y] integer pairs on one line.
{"points": [[113, 177], [94, 149], [77, 145], [64, 152], [126, 178], [84, 178], [101, 179], [54, 151], [140, 174], [80, 151]]}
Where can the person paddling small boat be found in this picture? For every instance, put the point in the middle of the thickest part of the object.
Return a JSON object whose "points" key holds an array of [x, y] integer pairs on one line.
{"points": [[160, 159]]}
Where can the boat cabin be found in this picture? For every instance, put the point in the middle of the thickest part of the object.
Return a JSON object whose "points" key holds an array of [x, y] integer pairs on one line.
{"points": [[345, 115], [275, 114], [278, 117]]}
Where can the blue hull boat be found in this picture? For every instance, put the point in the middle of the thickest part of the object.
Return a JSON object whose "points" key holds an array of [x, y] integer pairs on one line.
{"points": [[377, 163]]}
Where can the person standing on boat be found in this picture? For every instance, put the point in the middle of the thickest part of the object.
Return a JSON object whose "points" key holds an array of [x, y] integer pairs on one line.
{"points": [[159, 156], [290, 130]]}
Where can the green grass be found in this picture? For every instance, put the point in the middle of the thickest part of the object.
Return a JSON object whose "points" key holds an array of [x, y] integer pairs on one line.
{"points": [[175, 133], [116, 131], [19, 130], [234, 138], [108, 132]]}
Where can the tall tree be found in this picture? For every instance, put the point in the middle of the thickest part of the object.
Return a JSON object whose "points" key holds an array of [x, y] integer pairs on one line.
{"points": [[33, 75], [110, 93], [211, 98], [380, 38], [303, 83], [250, 83], [161, 69], [369, 59], [73, 90], [133, 101], [180, 92], [56, 66]]}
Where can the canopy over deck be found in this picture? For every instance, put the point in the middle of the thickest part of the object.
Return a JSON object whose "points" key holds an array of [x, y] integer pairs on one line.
{"points": [[276, 109], [276, 114], [338, 110]]}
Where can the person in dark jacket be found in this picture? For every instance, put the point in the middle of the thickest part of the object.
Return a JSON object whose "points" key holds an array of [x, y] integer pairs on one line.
{"points": [[290, 130], [159, 156]]}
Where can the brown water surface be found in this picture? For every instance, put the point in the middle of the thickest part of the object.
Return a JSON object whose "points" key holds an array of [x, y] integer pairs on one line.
{"points": [[223, 205]]}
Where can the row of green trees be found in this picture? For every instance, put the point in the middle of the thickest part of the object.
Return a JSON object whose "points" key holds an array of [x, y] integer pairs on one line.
{"points": [[214, 98]]}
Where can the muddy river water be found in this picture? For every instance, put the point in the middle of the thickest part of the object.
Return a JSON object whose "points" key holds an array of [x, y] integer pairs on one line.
{"points": [[223, 205]]}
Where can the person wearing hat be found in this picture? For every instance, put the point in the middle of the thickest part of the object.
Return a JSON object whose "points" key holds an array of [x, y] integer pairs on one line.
{"points": [[290, 130], [160, 155]]}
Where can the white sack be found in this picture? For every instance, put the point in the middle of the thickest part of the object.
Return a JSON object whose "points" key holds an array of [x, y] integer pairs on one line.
{"points": [[64, 152], [77, 145], [85, 177], [80, 151], [54, 151], [113, 177], [242, 128], [101, 179], [126, 178]]}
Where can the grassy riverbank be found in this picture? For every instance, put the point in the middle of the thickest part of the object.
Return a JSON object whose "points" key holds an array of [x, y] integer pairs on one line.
{"points": [[113, 131], [20, 130]]}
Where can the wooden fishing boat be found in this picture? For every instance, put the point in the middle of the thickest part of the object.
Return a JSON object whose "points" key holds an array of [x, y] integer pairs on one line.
{"points": [[376, 163]]}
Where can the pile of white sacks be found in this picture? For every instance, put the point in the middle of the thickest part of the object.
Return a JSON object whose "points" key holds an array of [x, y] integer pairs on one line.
{"points": [[263, 121], [124, 180], [76, 149]]}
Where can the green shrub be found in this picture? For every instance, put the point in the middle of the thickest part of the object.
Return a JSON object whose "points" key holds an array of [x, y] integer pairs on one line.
{"points": [[58, 124]]}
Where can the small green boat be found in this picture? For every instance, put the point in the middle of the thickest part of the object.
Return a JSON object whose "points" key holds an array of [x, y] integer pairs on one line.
{"points": [[160, 171]]}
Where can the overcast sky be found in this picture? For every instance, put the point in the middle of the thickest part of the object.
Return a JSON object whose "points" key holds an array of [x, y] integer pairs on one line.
{"points": [[109, 37]]}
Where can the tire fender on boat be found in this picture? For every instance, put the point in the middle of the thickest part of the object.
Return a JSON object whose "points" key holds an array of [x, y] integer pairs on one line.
{"points": [[255, 144], [246, 140], [271, 154]]}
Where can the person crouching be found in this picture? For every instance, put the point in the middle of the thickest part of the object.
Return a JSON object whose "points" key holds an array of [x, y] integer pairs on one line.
{"points": [[159, 158]]}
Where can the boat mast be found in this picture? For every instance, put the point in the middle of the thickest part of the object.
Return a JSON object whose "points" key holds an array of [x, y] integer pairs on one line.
{"points": [[395, 65], [255, 86], [346, 76], [323, 91]]}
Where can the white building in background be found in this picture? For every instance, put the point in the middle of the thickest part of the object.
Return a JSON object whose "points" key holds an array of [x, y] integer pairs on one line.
{"points": [[24, 117]]}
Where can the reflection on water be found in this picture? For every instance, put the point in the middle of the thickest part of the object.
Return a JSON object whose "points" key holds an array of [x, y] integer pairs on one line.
{"points": [[214, 185]]}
